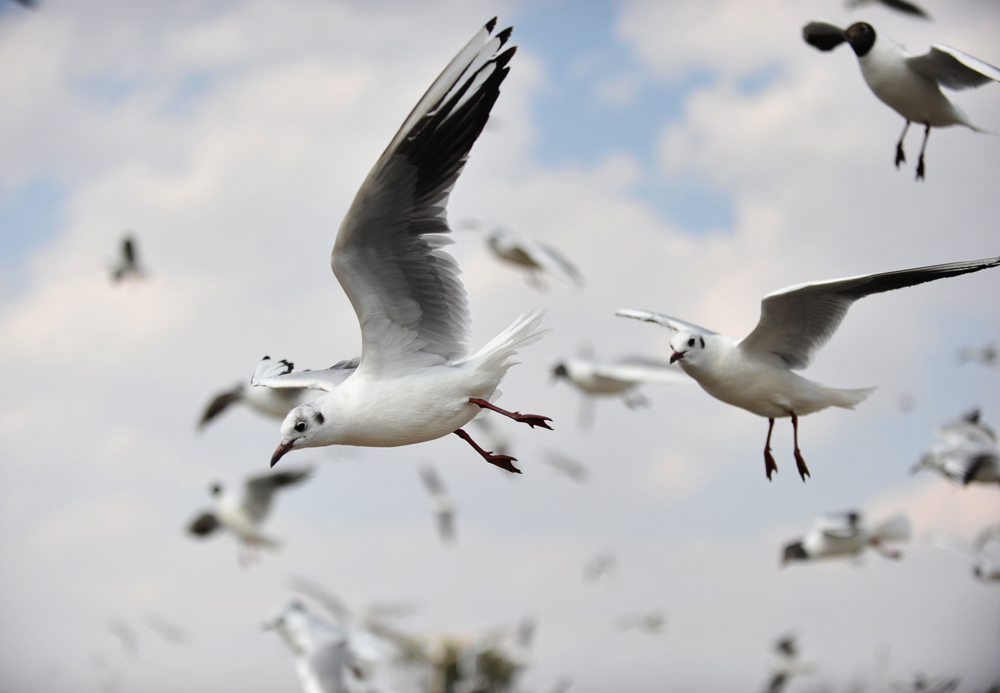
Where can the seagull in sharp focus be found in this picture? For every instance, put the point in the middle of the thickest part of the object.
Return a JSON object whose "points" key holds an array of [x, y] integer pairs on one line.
{"points": [[242, 514], [845, 535], [966, 452], [444, 508], [898, 5], [755, 373], [416, 380], [537, 258], [909, 84]]}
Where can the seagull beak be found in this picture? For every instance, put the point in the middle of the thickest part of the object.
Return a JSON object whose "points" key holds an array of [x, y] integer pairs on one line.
{"points": [[280, 452], [677, 356]]}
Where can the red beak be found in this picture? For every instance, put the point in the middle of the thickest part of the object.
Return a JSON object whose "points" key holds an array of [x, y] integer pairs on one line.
{"points": [[280, 452], [676, 356]]}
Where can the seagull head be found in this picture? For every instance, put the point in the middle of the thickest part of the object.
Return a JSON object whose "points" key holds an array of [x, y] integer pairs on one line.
{"points": [[794, 552], [215, 489], [686, 345], [861, 36], [560, 371], [304, 427]]}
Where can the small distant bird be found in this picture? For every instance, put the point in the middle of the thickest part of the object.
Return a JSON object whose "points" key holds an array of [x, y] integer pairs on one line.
{"points": [[600, 566], [651, 622], [898, 5], [126, 635], [537, 258], [845, 535], [966, 452], [417, 380], [755, 373], [572, 468], [267, 401], [242, 514], [986, 355], [909, 84], [128, 262], [788, 664], [322, 657], [444, 509]]}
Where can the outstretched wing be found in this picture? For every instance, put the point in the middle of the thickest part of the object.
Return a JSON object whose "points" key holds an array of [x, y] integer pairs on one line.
{"points": [[638, 369], [204, 524], [823, 35], [796, 321], [258, 490], [552, 262], [219, 404], [404, 288], [952, 68], [662, 320], [279, 374]]}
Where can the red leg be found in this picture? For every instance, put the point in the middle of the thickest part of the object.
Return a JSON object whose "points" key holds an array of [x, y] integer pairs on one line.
{"points": [[803, 469], [530, 419], [769, 465], [502, 461]]}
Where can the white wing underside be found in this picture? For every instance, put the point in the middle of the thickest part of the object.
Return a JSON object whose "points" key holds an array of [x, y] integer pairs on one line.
{"points": [[952, 68], [662, 320], [388, 254], [279, 374]]}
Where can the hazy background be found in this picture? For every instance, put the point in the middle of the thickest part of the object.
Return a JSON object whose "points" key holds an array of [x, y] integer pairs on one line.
{"points": [[689, 156]]}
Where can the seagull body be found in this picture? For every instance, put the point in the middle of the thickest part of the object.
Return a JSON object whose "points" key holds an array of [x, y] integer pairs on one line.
{"points": [[535, 257], [910, 85], [986, 355], [320, 648], [787, 666], [263, 400], [845, 535], [966, 452], [755, 373], [416, 381], [617, 377], [242, 514]]}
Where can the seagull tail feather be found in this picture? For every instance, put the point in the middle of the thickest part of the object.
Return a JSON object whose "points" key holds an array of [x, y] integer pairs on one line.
{"points": [[848, 399], [497, 353]]}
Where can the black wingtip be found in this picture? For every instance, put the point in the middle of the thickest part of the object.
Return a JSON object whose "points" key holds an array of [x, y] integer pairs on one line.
{"points": [[491, 24], [504, 35]]}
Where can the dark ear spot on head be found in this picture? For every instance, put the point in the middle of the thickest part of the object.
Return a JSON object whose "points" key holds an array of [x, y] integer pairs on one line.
{"points": [[300, 426], [320, 419], [701, 340]]}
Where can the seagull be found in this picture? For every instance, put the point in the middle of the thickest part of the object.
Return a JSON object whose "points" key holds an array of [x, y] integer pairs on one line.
{"points": [[320, 648], [536, 257], [126, 635], [601, 565], [967, 452], [242, 514], [444, 509], [844, 534], [986, 355], [269, 402], [909, 84], [621, 377], [899, 5], [755, 373], [985, 566], [416, 380], [128, 263], [788, 664]]}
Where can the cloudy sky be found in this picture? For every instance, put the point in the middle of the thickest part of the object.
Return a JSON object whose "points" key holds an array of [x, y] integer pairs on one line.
{"points": [[689, 156]]}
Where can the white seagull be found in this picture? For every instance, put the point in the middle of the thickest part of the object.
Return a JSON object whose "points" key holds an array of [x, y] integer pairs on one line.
{"points": [[909, 84], [444, 508], [322, 657], [621, 377], [755, 373], [416, 380], [967, 452], [845, 535], [535, 257], [242, 514]]}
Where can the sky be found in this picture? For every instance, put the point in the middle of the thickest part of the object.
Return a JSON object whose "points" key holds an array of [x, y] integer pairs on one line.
{"points": [[690, 157]]}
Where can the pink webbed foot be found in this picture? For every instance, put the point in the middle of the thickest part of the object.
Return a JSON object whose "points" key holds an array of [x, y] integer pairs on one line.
{"points": [[530, 419], [502, 461]]}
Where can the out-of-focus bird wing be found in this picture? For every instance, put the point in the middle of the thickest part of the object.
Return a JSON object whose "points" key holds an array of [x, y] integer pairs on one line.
{"points": [[258, 490], [204, 524], [952, 68]]}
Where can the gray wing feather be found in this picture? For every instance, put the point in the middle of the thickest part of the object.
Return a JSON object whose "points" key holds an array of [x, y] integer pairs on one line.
{"points": [[796, 321], [952, 68], [258, 490], [662, 320], [279, 374], [388, 255]]}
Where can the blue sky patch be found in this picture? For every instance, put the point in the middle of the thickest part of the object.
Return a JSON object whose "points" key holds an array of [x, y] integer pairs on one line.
{"points": [[30, 216]]}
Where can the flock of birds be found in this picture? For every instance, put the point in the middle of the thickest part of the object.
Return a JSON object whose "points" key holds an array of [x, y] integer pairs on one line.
{"points": [[417, 378]]}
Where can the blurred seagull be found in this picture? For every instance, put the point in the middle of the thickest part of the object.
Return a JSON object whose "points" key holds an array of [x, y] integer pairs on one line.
{"points": [[898, 5], [788, 664], [320, 648], [908, 84], [755, 373], [128, 262], [601, 565], [126, 635], [166, 630], [986, 355], [844, 534], [242, 514], [985, 566], [621, 377], [966, 452], [537, 258], [444, 509], [416, 380], [651, 622]]}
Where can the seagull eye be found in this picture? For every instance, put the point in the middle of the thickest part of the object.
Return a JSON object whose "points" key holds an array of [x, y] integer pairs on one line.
{"points": [[691, 342], [300, 426]]}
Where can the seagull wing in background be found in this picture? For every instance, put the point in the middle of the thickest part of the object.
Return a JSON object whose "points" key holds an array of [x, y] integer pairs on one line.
{"points": [[444, 509], [564, 464], [967, 452], [898, 5], [986, 355], [415, 381], [275, 403], [320, 648], [128, 262], [908, 84], [538, 258], [259, 490], [755, 373]]}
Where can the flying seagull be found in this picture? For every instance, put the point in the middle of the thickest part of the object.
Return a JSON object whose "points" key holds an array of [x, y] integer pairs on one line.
{"points": [[242, 514], [898, 5], [621, 377], [275, 403], [985, 355], [322, 655], [845, 535], [416, 380], [788, 664], [533, 256], [966, 452], [909, 84], [128, 261], [444, 509], [755, 373]]}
